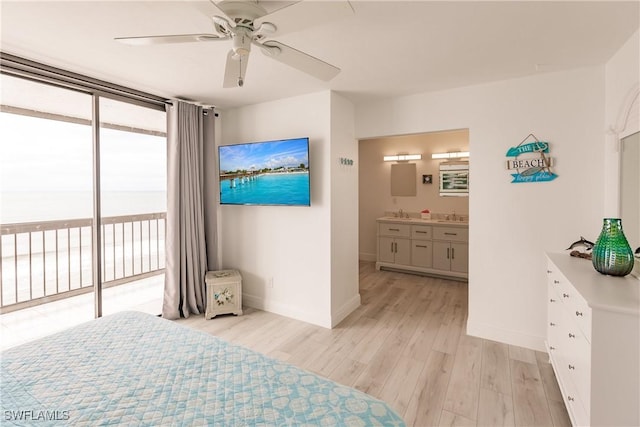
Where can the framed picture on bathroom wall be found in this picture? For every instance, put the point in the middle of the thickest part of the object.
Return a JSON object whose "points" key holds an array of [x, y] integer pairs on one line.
{"points": [[427, 179]]}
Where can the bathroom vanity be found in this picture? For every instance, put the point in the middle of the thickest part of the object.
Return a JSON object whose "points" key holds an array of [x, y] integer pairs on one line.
{"points": [[433, 247]]}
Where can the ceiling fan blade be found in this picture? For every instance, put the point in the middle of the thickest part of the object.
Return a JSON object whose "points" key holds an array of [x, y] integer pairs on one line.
{"points": [[235, 69], [304, 14], [300, 60], [168, 39]]}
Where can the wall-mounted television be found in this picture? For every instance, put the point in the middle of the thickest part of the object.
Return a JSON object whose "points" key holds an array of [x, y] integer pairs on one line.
{"points": [[265, 173]]}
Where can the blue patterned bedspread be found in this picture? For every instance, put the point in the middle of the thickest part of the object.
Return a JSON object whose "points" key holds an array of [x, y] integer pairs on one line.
{"points": [[136, 369]]}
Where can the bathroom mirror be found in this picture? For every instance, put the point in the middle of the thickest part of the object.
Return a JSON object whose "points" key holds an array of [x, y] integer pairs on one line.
{"points": [[403, 179], [630, 188]]}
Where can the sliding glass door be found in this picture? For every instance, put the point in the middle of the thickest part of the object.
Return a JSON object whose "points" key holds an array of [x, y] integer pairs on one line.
{"points": [[82, 207], [133, 205], [45, 204]]}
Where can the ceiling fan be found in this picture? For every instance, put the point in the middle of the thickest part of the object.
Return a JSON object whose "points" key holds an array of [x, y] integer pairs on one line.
{"points": [[243, 23]]}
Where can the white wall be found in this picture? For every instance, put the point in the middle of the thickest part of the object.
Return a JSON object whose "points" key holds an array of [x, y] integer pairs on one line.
{"points": [[511, 225], [310, 253], [345, 291]]}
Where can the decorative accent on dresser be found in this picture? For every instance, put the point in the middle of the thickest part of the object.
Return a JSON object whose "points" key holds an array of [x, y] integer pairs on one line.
{"points": [[593, 341], [612, 254], [434, 247]]}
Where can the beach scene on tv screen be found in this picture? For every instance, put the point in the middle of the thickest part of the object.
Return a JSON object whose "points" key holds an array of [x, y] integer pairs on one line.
{"points": [[265, 173]]}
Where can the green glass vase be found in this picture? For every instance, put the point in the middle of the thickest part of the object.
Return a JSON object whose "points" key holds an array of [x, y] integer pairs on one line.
{"points": [[612, 254]]}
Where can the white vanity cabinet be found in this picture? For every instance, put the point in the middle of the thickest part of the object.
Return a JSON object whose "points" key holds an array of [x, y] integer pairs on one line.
{"points": [[593, 341], [423, 246], [394, 244], [451, 249]]}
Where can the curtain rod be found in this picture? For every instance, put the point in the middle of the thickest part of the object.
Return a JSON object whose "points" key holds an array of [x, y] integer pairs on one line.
{"points": [[21, 67]]}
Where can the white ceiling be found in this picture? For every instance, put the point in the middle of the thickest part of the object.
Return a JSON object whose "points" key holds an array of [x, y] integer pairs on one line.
{"points": [[385, 48]]}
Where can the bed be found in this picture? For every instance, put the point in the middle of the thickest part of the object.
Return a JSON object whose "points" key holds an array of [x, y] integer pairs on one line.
{"points": [[136, 369]]}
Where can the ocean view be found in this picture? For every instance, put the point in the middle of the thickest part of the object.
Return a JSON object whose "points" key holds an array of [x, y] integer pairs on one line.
{"points": [[31, 206], [268, 189]]}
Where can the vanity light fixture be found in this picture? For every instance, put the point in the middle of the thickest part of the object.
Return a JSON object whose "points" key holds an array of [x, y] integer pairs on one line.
{"points": [[402, 157], [450, 155]]}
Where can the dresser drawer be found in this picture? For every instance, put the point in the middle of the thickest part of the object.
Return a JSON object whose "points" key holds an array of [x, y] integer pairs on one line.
{"points": [[573, 302], [577, 359], [421, 232], [391, 229], [575, 405], [453, 234]]}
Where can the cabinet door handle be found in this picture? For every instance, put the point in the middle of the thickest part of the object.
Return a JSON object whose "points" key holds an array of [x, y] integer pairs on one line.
{"points": [[391, 247], [571, 335], [450, 234], [396, 247], [572, 367], [421, 246], [453, 254], [565, 295], [394, 229], [421, 232], [448, 249], [578, 313]]}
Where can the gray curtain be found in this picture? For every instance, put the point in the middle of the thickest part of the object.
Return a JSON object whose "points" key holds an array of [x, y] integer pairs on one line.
{"points": [[190, 158]]}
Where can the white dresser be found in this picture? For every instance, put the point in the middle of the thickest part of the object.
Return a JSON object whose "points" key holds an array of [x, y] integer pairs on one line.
{"points": [[593, 340]]}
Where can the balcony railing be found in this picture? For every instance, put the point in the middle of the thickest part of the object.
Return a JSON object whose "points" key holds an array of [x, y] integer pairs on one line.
{"points": [[50, 260]]}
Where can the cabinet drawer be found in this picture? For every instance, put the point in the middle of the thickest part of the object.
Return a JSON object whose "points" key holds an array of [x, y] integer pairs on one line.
{"points": [[391, 229], [453, 234], [421, 232], [421, 253]]}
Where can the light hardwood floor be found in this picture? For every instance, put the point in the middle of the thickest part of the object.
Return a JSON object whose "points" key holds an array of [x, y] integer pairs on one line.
{"points": [[406, 344]]}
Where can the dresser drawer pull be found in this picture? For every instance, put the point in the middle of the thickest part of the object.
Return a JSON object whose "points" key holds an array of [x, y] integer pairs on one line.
{"points": [[572, 367], [557, 282], [565, 295], [570, 399], [552, 324], [549, 271], [552, 300], [552, 348], [578, 313], [571, 335]]}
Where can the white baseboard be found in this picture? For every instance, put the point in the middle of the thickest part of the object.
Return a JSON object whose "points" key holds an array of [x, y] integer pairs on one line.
{"points": [[286, 310], [345, 310], [367, 257], [505, 336]]}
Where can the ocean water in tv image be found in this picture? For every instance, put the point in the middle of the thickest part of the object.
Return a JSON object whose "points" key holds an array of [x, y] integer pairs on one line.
{"points": [[267, 189]]}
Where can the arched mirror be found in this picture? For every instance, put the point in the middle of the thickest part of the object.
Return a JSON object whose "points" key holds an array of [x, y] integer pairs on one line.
{"points": [[626, 133], [630, 191]]}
